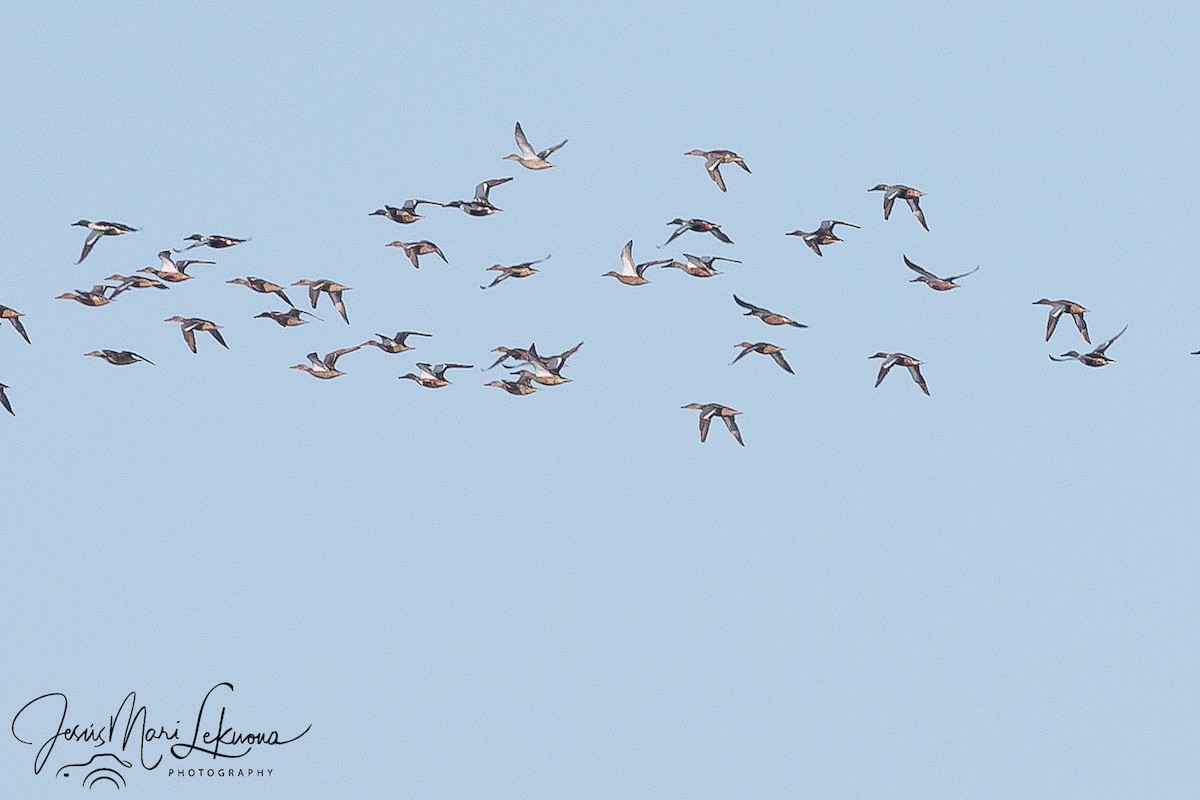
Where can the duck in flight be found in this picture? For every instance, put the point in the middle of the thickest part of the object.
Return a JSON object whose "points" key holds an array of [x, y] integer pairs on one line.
{"points": [[406, 213], [713, 159], [173, 271], [127, 282], [96, 297], [324, 368], [907, 194], [394, 344], [822, 235], [215, 242], [632, 274], [1060, 307], [515, 271], [189, 326], [262, 286], [767, 349], [287, 319], [433, 377], [331, 288], [710, 410], [697, 225], [528, 158], [892, 359], [699, 266], [1096, 358], [4, 401], [120, 358], [523, 385], [769, 317], [933, 281], [481, 205], [415, 249], [96, 230], [14, 316]]}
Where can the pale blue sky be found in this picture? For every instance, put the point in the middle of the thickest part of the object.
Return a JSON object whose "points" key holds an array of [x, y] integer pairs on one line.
{"points": [[989, 592]]}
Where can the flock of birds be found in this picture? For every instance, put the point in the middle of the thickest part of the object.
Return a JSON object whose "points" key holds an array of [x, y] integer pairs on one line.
{"points": [[530, 368]]}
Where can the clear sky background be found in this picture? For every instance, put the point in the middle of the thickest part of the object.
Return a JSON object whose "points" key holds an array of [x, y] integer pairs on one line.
{"points": [[988, 592]]}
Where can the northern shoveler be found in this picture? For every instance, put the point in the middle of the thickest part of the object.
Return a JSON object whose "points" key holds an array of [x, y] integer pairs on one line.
{"points": [[324, 368], [892, 359], [394, 344], [189, 326], [528, 158], [262, 286], [215, 242], [406, 213], [480, 206], [415, 249], [822, 235], [767, 349], [173, 271], [4, 401], [769, 317], [713, 159], [697, 225], [119, 357], [127, 282], [289, 318], [632, 274], [96, 297], [521, 386], [1096, 358], [907, 194], [433, 377], [14, 316], [331, 288], [523, 270], [1057, 309], [699, 266], [710, 410], [96, 230], [933, 281]]}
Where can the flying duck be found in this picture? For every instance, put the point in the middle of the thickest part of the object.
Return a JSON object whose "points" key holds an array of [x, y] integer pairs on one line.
{"points": [[406, 213], [515, 271], [289, 318], [421, 248], [334, 290], [190, 325], [262, 286], [324, 368], [710, 410], [767, 349], [127, 282], [769, 317], [394, 344], [632, 274], [433, 377], [697, 225], [933, 281], [14, 316], [521, 386], [1057, 309], [4, 400], [215, 242], [713, 159], [95, 297], [892, 359], [907, 194], [527, 157], [96, 230], [822, 235], [1096, 358], [173, 271], [699, 266], [480, 206], [119, 357]]}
